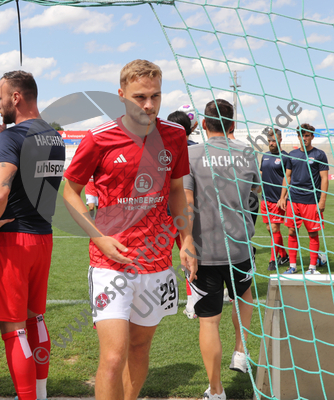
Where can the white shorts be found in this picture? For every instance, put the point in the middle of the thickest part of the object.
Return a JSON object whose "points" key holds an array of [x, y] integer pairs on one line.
{"points": [[90, 199], [143, 299]]}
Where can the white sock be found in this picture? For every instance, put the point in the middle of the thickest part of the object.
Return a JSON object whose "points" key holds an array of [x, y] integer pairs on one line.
{"points": [[312, 267], [294, 266], [41, 388], [190, 303]]}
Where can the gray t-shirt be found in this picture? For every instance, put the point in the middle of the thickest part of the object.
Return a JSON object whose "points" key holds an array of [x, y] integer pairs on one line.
{"points": [[236, 173]]}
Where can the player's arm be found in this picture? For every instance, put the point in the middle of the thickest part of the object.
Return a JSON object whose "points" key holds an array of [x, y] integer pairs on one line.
{"points": [[284, 193], [324, 190], [190, 205], [7, 174], [178, 207], [76, 207]]}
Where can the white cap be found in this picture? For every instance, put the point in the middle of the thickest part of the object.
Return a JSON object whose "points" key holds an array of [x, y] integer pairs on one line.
{"points": [[188, 109]]}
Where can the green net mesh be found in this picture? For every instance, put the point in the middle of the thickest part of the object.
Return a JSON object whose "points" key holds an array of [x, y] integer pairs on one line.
{"points": [[295, 316]]}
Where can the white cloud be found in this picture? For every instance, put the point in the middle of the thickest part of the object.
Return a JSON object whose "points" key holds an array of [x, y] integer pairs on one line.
{"points": [[178, 43], [327, 62], [126, 46], [129, 21], [107, 73], [315, 38], [330, 117], [81, 20], [42, 104], [307, 116], [11, 61], [282, 39], [193, 67], [94, 47], [52, 74], [7, 18]]}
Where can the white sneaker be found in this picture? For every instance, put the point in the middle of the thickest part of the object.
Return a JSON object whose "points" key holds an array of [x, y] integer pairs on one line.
{"points": [[190, 314], [312, 271], [238, 362], [208, 396]]}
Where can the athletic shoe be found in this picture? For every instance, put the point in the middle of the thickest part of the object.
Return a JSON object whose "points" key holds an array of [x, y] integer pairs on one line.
{"points": [[208, 396], [272, 266], [290, 270], [312, 271], [190, 314], [227, 298], [238, 362], [321, 260], [283, 260]]}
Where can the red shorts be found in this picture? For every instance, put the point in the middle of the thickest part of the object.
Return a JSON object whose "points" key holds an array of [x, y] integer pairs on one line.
{"points": [[276, 215], [307, 213], [24, 270]]}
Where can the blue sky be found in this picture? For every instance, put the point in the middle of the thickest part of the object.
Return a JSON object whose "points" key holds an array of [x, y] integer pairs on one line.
{"points": [[71, 49]]}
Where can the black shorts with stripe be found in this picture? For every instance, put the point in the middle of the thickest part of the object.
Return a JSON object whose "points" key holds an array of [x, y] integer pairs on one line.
{"points": [[208, 289]]}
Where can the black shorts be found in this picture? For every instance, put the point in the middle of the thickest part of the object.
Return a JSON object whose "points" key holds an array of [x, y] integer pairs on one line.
{"points": [[208, 289]]}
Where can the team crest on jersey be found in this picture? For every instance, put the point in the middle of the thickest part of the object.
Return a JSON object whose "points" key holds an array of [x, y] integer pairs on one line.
{"points": [[143, 183], [311, 160], [165, 157], [101, 301], [277, 161]]}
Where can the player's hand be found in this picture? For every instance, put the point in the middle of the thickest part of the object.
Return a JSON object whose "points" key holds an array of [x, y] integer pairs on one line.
{"points": [[282, 204], [321, 205], [111, 248], [187, 260], [5, 221]]}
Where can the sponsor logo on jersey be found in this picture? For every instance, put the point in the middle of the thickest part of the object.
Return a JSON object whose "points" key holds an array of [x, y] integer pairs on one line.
{"points": [[165, 157], [225, 161], [101, 300], [49, 140], [164, 169], [49, 168], [143, 183], [120, 159], [311, 160], [277, 161]]}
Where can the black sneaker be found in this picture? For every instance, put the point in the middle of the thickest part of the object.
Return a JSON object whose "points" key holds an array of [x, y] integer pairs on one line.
{"points": [[272, 266], [283, 260]]}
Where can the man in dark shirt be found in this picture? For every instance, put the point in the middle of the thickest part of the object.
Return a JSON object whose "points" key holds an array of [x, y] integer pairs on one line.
{"points": [[32, 156], [307, 177], [272, 165]]}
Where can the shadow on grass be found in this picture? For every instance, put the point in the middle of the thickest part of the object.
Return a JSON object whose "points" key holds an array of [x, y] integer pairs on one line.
{"points": [[241, 386], [164, 381]]}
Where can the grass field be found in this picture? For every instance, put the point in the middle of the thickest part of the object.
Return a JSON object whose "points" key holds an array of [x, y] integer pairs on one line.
{"points": [[176, 367]]}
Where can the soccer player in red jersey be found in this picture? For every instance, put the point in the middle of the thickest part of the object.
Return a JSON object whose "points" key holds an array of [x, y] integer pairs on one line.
{"points": [[92, 201], [138, 161], [307, 178], [32, 156], [272, 165]]}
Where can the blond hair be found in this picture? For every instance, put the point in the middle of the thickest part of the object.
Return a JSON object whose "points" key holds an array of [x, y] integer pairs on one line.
{"points": [[137, 69]]}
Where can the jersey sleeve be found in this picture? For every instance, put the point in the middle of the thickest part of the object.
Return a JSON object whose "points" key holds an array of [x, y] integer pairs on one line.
{"points": [[324, 160], [181, 167], [84, 162], [189, 181], [9, 149]]}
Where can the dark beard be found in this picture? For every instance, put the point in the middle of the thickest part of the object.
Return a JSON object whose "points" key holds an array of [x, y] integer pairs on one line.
{"points": [[8, 118]]}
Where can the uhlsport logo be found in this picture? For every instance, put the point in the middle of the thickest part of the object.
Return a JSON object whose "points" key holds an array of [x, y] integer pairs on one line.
{"points": [[165, 157], [49, 168]]}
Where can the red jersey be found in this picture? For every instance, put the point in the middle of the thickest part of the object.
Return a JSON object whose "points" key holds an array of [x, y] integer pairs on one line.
{"points": [[90, 187], [132, 177]]}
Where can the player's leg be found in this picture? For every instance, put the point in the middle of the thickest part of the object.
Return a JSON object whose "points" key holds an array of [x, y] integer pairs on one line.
{"points": [[114, 340], [293, 222], [242, 280], [211, 350], [136, 367], [246, 311], [313, 226], [38, 335], [14, 253], [208, 294]]}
